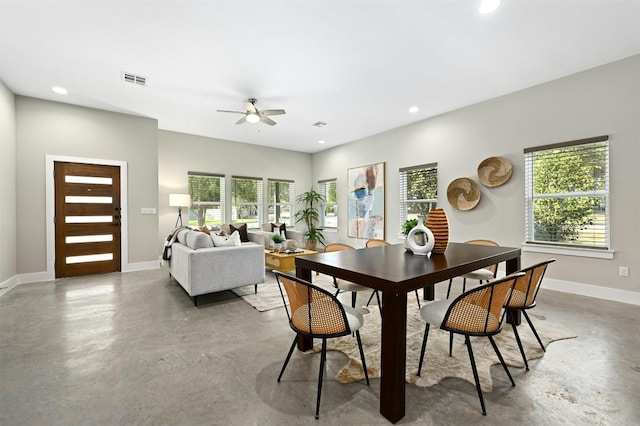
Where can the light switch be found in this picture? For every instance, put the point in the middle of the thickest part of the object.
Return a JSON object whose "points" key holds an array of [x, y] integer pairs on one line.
{"points": [[148, 210]]}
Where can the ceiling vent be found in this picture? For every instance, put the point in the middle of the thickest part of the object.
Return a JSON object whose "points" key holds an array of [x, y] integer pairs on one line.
{"points": [[135, 79], [319, 124]]}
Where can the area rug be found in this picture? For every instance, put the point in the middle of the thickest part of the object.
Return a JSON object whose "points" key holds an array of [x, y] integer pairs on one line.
{"points": [[268, 296], [437, 364]]}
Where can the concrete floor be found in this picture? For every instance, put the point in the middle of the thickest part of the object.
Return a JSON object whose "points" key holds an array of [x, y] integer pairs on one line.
{"points": [[132, 349]]}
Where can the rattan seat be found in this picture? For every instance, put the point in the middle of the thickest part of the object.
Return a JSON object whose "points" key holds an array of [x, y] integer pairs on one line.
{"points": [[477, 312], [316, 313]]}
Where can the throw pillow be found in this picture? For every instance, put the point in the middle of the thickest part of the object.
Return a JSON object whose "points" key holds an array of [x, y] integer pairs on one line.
{"points": [[242, 229], [279, 228], [197, 240], [205, 229], [226, 240]]}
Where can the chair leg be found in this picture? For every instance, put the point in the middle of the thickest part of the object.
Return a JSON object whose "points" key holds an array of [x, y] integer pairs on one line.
{"points": [[354, 296], [320, 375], [464, 284], [510, 312], [286, 361], [504, 365], [337, 293], [364, 363], [526, 316], [379, 303], [449, 288], [424, 347], [450, 343], [475, 374], [418, 298]]}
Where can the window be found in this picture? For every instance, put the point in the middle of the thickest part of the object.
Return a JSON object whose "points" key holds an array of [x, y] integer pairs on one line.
{"points": [[246, 201], [329, 211], [280, 196], [207, 199], [418, 191], [567, 194]]}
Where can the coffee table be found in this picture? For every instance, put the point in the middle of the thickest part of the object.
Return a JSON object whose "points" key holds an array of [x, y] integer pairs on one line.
{"points": [[283, 262]]}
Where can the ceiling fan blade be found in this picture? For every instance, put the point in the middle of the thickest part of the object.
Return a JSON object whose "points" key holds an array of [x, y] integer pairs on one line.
{"points": [[250, 107], [242, 120], [267, 120], [266, 112], [234, 112]]}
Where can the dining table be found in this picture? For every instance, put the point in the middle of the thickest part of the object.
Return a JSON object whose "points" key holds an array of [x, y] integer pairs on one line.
{"points": [[394, 271]]}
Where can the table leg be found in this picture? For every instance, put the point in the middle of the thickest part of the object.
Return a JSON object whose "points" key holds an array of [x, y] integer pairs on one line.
{"points": [[513, 265], [394, 355], [304, 343], [428, 293]]}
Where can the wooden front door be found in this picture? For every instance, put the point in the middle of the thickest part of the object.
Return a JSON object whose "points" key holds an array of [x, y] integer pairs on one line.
{"points": [[87, 219]]}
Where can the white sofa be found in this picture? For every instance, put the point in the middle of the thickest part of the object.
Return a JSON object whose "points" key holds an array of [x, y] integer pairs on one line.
{"points": [[200, 268]]}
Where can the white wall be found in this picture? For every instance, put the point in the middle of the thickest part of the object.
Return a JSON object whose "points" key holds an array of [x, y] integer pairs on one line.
{"points": [[51, 128], [180, 153], [601, 101], [8, 258]]}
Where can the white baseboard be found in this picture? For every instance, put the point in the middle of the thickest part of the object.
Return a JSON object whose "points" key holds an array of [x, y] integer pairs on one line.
{"points": [[35, 277], [45, 276], [613, 294], [7, 285], [141, 266]]}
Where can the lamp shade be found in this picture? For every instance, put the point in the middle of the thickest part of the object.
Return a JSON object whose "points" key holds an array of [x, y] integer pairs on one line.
{"points": [[179, 200]]}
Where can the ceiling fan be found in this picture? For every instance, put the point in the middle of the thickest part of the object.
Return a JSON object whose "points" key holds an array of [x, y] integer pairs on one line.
{"points": [[254, 115]]}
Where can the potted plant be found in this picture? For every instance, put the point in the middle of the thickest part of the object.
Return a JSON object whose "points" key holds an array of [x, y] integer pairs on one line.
{"points": [[408, 225], [277, 241], [310, 215]]}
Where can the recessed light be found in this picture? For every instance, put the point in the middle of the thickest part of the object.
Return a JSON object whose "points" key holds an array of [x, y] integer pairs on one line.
{"points": [[489, 6], [414, 109], [321, 141], [59, 90]]}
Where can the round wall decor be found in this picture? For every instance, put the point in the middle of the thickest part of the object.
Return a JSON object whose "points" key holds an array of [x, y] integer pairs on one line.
{"points": [[463, 193], [494, 171]]}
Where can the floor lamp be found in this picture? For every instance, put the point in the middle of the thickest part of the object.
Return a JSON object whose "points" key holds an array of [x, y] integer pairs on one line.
{"points": [[179, 201]]}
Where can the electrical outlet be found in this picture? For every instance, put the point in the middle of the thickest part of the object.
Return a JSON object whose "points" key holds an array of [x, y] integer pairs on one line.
{"points": [[624, 271]]}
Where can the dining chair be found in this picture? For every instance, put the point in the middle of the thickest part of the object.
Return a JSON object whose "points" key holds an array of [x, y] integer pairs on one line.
{"points": [[372, 242], [483, 274], [344, 285], [523, 298], [316, 313], [477, 312]]}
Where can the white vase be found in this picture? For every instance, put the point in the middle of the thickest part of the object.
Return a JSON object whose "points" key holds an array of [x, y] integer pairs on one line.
{"points": [[411, 243]]}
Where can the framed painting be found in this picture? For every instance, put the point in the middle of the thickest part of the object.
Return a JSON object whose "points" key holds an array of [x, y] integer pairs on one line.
{"points": [[366, 201]]}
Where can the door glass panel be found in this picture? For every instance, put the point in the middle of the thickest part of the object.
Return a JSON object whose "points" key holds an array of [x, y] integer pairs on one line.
{"points": [[87, 219], [89, 258], [88, 179], [74, 199], [88, 239]]}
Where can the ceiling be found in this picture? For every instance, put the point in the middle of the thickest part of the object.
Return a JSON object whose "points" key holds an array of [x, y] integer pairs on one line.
{"points": [[356, 65]]}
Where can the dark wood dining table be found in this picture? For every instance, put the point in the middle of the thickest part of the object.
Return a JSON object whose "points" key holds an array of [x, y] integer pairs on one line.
{"points": [[395, 272]]}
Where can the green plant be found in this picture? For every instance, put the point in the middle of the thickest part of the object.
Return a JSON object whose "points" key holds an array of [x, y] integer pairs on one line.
{"points": [[277, 238], [310, 214], [408, 225]]}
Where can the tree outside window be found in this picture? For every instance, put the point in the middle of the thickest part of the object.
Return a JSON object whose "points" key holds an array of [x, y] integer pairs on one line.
{"points": [[567, 193], [418, 191], [280, 201], [207, 199], [246, 200], [329, 210]]}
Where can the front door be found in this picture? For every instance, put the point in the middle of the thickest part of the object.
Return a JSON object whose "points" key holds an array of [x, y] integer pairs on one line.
{"points": [[87, 219]]}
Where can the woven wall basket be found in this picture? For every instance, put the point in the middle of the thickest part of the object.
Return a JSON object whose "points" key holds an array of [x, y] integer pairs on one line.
{"points": [[463, 193], [438, 222], [494, 171]]}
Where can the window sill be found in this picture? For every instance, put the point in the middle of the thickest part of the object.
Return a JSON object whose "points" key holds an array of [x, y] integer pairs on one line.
{"points": [[568, 251]]}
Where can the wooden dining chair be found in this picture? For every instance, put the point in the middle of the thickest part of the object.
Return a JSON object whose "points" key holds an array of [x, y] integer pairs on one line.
{"points": [[316, 313], [523, 298], [344, 285], [477, 312], [483, 274]]}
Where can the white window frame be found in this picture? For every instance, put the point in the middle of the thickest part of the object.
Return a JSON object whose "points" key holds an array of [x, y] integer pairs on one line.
{"points": [[275, 205], [257, 203], [603, 250], [323, 188], [404, 202]]}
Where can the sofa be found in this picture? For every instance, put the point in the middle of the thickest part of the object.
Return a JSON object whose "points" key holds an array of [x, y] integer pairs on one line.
{"points": [[201, 267], [263, 234]]}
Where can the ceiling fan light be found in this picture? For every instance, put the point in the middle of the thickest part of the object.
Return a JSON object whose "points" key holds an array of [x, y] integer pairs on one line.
{"points": [[253, 118]]}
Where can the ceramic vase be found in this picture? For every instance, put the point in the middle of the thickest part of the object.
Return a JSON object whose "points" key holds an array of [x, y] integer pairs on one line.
{"points": [[416, 248], [438, 223]]}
